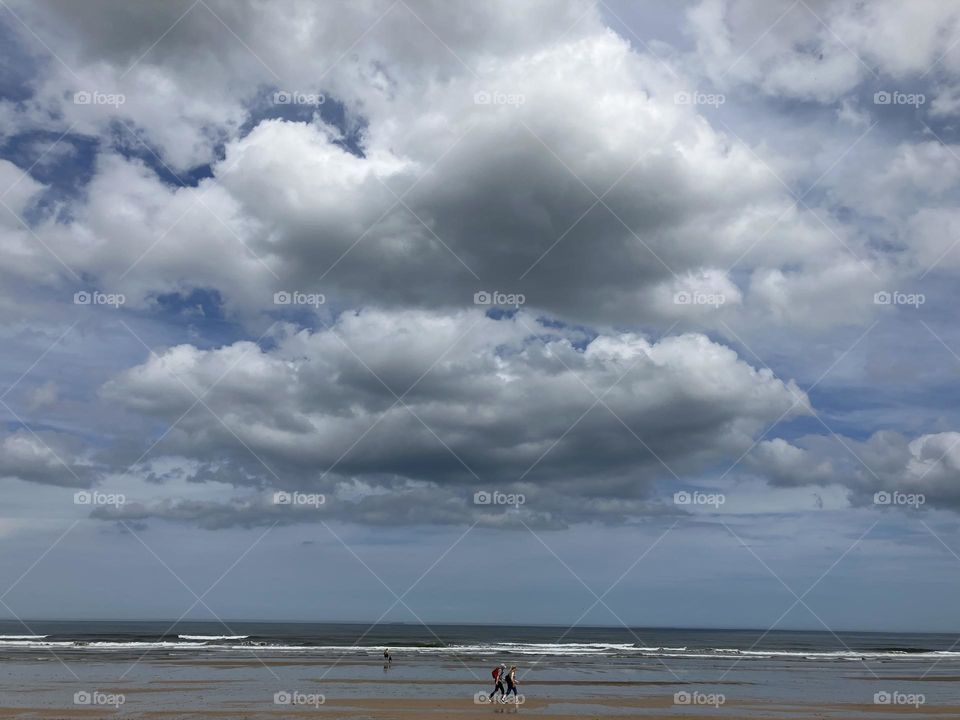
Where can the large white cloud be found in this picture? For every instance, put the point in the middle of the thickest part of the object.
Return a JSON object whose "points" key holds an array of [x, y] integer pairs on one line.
{"points": [[498, 125], [494, 196], [822, 49], [501, 403], [189, 71]]}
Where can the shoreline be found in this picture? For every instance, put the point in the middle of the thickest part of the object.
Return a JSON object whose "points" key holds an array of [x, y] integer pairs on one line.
{"points": [[172, 688]]}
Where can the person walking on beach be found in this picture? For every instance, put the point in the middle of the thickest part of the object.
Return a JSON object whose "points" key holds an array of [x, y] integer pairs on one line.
{"points": [[512, 682], [387, 658], [499, 674]]}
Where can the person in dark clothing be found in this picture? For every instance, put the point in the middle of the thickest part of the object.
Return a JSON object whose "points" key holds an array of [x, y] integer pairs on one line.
{"points": [[499, 675], [512, 682]]}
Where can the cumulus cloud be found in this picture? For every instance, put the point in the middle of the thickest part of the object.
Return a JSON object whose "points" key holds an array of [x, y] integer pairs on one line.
{"points": [[192, 91], [822, 49], [45, 457], [462, 401], [886, 462], [459, 151], [563, 169]]}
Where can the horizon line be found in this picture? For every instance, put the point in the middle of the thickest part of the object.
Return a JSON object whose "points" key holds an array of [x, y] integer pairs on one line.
{"points": [[449, 623]]}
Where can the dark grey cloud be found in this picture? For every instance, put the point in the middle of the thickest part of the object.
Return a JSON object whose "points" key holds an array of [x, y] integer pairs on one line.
{"points": [[577, 179], [46, 457], [887, 462], [192, 90], [505, 406], [499, 127]]}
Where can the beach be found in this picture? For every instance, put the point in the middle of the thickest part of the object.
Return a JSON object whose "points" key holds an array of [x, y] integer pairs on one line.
{"points": [[198, 674], [245, 689]]}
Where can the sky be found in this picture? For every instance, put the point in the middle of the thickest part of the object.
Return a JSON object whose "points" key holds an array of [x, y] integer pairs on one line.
{"points": [[567, 312]]}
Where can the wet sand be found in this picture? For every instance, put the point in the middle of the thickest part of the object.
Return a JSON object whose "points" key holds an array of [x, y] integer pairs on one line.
{"points": [[186, 700], [167, 687], [654, 708]]}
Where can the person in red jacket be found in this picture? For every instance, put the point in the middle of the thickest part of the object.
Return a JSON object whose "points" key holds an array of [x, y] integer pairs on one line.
{"points": [[499, 675]]}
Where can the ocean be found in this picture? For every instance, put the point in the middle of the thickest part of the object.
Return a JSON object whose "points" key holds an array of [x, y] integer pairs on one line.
{"points": [[255, 669], [471, 641]]}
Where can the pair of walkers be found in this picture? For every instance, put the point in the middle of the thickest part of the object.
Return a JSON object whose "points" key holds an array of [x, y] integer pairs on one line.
{"points": [[505, 681]]}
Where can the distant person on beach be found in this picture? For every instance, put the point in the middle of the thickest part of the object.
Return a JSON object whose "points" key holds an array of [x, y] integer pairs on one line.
{"points": [[387, 657], [499, 674], [512, 682]]}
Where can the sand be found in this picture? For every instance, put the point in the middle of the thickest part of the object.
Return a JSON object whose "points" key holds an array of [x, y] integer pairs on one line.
{"points": [[448, 708]]}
